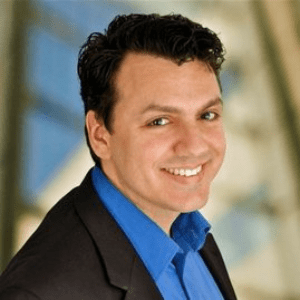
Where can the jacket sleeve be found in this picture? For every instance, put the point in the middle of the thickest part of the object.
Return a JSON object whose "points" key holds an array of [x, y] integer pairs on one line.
{"points": [[16, 293]]}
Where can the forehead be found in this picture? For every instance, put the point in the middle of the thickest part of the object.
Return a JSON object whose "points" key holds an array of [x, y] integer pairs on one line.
{"points": [[143, 78], [139, 67]]}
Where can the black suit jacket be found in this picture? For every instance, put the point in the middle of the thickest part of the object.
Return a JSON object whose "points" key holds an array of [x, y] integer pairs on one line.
{"points": [[79, 252]]}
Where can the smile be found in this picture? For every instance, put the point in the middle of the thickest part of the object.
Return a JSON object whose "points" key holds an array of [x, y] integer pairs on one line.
{"points": [[184, 172]]}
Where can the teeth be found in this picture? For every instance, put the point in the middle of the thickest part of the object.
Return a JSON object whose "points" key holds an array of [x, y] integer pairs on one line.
{"points": [[184, 172]]}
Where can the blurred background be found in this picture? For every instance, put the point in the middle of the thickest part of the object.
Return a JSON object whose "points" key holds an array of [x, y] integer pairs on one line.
{"points": [[254, 207]]}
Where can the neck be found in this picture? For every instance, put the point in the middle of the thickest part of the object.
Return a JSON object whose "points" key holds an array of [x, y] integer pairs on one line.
{"points": [[163, 218]]}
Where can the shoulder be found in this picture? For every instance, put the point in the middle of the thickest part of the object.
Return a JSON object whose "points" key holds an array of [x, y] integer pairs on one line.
{"points": [[16, 293], [60, 258]]}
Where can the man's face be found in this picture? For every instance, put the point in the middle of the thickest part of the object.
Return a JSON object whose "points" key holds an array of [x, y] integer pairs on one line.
{"points": [[167, 143]]}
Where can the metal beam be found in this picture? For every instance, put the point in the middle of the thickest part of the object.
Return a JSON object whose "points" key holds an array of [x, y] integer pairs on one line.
{"points": [[12, 132], [280, 41]]}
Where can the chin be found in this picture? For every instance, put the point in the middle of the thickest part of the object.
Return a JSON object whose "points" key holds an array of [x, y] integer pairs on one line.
{"points": [[194, 207], [184, 206], [194, 201]]}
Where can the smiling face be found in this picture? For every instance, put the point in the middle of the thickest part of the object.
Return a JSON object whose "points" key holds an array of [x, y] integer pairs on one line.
{"points": [[167, 143]]}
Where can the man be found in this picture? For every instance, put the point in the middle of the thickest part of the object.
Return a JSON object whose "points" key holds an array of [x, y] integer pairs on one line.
{"points": [[131, 230]]}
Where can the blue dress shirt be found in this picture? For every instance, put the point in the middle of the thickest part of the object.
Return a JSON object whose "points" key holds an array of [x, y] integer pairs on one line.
{"points": [[173, 262]]}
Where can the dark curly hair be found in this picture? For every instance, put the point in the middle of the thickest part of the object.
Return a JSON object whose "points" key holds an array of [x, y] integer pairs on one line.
{"points": [[173, 37]]}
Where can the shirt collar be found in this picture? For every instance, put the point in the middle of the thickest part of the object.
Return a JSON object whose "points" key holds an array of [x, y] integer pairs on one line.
{"points": [[152, 244], [189, 231]]}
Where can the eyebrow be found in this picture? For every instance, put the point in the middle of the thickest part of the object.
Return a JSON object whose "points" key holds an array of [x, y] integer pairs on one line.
{"points": [[172, 109]]}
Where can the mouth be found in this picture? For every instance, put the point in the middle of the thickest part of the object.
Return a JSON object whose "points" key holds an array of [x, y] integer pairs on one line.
{"points": [[184, 171]]}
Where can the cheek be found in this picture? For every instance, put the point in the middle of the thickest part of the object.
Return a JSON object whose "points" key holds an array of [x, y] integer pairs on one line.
{"points": [[218, 141], [155, 150], [223, 143], [133, 154], [218, 147]]}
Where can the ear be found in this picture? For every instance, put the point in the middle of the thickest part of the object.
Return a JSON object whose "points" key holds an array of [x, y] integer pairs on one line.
{"points": [[99, 136]]}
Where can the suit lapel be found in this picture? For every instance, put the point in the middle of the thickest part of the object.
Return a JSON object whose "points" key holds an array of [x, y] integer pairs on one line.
{"points": [[215, 264], [124, 268], [140, 284]]}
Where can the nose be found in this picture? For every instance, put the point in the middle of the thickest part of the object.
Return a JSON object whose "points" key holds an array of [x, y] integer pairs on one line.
{"points": [[191, 141]]}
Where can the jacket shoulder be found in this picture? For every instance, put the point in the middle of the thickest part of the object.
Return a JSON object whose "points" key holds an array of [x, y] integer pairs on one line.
{"points": [[60, 260], [15, 293]]}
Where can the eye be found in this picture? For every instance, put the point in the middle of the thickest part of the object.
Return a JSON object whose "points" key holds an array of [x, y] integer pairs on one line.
{"points": [[209, 116], [159, 122]]}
